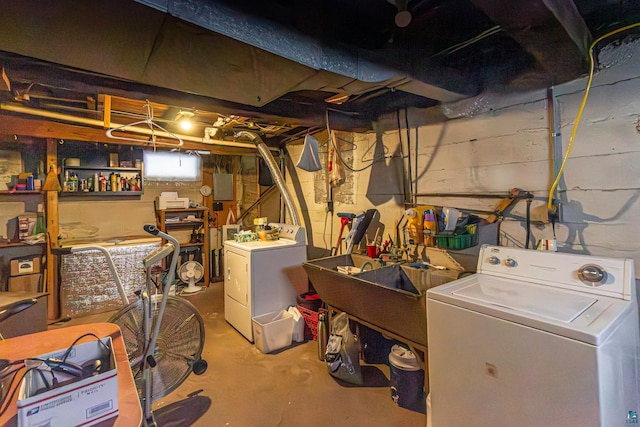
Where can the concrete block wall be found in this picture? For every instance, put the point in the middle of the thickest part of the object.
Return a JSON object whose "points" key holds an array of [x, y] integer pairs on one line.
{"points": [[503, 141]]}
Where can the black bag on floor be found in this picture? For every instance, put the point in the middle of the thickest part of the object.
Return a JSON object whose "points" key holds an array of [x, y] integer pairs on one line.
{"points": [[342, 352]]}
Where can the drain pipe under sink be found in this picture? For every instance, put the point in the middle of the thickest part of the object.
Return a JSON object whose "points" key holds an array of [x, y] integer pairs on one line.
{"points": [[275, 172]]}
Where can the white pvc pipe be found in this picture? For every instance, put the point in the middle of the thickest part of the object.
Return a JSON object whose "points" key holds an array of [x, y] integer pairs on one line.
{"points": [[100, 123]]}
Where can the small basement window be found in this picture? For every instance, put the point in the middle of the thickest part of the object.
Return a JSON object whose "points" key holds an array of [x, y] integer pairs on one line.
{"points": [[171, 166]]}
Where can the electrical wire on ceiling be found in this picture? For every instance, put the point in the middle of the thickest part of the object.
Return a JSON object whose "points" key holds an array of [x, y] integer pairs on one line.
{"points": [[462, 45], [550, 205], [237, 123]]}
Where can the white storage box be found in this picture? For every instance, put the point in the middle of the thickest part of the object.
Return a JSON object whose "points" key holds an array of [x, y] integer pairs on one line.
{"points": [[78, 401], [272, 331]]}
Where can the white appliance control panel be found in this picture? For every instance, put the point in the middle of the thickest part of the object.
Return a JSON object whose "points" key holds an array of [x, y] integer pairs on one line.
{"points": [[291, 232], [598, 275]]}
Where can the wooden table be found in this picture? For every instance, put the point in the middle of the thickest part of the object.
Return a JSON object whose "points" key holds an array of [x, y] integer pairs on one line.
{"points": [[130, 411]]}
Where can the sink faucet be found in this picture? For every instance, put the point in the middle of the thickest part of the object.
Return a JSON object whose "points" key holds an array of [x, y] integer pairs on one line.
{"points": [[364, 265]]}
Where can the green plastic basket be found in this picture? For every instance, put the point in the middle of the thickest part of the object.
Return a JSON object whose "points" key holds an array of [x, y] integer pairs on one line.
{"points": [[459, 241]]}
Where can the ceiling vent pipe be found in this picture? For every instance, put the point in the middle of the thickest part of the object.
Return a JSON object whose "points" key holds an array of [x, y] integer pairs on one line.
{"points": [[275, 172], [219, 17]]}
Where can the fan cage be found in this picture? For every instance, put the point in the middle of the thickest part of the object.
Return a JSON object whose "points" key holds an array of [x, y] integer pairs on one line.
{"points": [[182, 271], [180, 342]]}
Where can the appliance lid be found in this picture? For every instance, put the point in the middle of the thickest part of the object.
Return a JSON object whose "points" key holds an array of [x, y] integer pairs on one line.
{"points": [[580, 316], [542, 302], [261, 245]]}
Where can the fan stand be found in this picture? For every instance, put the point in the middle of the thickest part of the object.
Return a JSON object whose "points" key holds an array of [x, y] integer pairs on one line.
{"points": [[192, 287]]}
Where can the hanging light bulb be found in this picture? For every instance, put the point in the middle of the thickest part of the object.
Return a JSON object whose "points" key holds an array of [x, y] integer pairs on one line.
{"points": [[184, 118], [403, 16]]}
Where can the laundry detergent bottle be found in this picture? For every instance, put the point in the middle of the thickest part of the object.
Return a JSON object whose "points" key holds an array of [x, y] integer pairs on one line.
{"points": [[415, 224], [430, 226]]}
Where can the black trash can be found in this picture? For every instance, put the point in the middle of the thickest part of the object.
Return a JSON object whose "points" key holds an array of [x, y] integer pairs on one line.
{"points": [[406, 379], [310, 300], [375, 347]]}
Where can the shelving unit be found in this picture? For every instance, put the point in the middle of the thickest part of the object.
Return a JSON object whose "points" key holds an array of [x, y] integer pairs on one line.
{"points": [[176, 219], [16, 249], [31, 199], [85, 172]]}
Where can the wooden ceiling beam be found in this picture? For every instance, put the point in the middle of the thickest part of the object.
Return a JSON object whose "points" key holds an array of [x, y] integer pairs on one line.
{"points": [[12, 125]]}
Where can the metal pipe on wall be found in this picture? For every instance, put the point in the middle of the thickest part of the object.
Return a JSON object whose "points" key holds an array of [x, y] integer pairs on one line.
{"points": [[471, 195], [555, 137]]}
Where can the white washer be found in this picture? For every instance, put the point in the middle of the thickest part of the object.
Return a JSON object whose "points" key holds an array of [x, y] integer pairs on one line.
{"points": [[535, 339], [263, 276]]}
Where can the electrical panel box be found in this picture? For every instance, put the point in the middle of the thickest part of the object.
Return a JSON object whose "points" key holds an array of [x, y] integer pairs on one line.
{"points": [[222, 186]]}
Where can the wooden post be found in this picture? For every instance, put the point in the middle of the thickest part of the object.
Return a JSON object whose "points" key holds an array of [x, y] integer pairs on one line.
{"points": [[53, 231]]}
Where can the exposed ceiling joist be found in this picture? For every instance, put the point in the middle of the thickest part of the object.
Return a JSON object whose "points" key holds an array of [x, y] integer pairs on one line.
{"points": [[281, 64], [551, 30], [41, 128]]}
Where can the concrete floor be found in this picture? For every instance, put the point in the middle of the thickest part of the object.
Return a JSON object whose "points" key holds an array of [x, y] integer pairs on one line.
{"points": [[244, 387]]}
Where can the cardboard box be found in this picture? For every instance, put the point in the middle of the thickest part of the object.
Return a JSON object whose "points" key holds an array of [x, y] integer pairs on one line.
{"points": [[30, 320], [78, 401], [22, 266], [22, 226], [25, 283]]}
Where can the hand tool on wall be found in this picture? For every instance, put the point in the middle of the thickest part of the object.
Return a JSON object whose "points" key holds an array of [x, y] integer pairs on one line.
{"points": [[514, 194], [498, 214], [345, 219], [360, 225]]}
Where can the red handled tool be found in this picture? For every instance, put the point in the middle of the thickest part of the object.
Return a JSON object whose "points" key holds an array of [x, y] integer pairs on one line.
{"points": [[345, 218]]}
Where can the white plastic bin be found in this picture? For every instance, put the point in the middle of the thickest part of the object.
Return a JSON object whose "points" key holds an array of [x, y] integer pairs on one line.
{"points": [[273, 331]]}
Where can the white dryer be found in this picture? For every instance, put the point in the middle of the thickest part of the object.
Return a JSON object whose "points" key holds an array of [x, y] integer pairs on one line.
{"points": [[263, 276], [535, 339]]}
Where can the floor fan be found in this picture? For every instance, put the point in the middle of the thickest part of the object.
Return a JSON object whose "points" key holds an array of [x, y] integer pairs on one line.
{"points": [[190, 272], [178, 348]]}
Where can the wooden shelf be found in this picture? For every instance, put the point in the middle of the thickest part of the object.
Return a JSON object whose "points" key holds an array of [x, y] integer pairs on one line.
{"points": [[187, 245], [19, 244], [103, 168], [185, 210], [183, 224], [202, 220], [100, 193], [19, 193], [88, 172]]}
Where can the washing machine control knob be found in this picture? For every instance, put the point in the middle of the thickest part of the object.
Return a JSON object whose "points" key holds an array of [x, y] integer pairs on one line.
{"points": [[510, 262], [494, 260], [592, 274]]}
